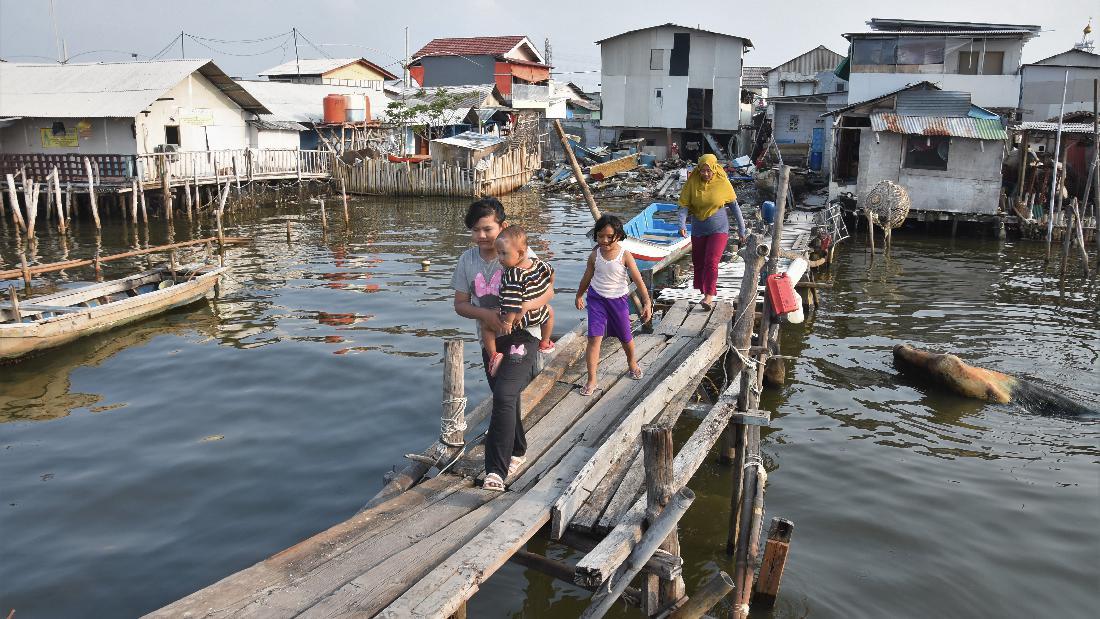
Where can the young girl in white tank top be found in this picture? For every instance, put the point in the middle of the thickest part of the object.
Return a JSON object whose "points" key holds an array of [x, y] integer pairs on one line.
{"points": [[607, 282]]}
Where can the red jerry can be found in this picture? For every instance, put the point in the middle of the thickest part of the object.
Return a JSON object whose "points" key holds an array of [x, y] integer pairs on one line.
{"points": [[781, 294]]}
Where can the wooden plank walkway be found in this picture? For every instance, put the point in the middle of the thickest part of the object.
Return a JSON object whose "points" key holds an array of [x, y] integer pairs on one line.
{"points": [[796, 238], [426, 551]]}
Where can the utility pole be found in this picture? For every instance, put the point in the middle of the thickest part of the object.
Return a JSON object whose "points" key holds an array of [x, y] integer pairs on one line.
{"points": [[297, 61], [183, 54]]}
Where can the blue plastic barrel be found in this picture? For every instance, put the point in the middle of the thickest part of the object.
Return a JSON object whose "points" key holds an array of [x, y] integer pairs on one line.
{"points": [[767, 211]]}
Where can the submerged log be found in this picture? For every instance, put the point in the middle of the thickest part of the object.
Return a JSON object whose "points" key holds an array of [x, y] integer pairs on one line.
{"points": [[983, 384]]}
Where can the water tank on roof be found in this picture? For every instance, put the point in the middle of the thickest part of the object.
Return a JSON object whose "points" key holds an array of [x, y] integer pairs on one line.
{"points": [[335, 108], [357, 108]]}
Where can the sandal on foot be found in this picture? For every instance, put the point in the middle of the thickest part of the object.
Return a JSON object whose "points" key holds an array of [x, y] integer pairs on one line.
{"points": [[493, 482], [514, 464], [587, 391], [706, 306], [494, 363], [548, 347], [636, 374]]}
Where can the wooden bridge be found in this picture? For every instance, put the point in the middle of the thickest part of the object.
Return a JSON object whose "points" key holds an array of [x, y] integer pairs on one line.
{"points": [[600, 477]]}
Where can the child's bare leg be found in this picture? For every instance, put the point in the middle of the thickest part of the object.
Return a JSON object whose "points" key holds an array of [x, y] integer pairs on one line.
{"points": [[592, 360], [631, 361], [547, 330], [488, 339]]}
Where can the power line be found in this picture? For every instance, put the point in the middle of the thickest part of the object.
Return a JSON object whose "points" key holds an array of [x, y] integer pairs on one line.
{"points": [[221, 51], [319, 50]]}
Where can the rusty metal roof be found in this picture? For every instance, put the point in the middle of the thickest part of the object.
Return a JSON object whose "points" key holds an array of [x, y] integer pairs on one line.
{"points": [[961, 127]]}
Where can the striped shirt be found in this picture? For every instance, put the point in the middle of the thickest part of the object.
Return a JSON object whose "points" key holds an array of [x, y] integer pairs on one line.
{"points": [[518, 285]]}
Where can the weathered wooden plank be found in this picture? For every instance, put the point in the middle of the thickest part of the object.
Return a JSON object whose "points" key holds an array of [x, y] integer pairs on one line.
{"points": [[602, 562], [459, 576], [617, 445], [613, 167]]}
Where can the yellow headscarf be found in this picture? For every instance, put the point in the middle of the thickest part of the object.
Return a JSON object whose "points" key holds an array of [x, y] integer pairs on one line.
{"points": [[703, 198]]}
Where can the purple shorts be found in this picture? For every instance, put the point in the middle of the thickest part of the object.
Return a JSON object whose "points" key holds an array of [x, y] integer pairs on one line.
{"points": [[609, 317]]}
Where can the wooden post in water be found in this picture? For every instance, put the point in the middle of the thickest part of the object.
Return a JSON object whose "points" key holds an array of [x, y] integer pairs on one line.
{"points": [[221, 229], [775, 560], [753, 255], [26, 271], [30, 196], [61, 227], [1080, 238], [134, 200], [13, 195], [91, 192], [187, 196], [657, 455], [166, 187], [344, 195], [144, 209], [577, 173], [324, 217], [452, 426]]}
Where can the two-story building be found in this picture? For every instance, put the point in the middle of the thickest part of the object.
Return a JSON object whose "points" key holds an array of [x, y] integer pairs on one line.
{"points": [[799, 92], [512, 63], [981, 59], [673, 84]]}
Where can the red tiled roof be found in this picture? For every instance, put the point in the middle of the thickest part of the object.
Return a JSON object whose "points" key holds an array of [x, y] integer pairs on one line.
{"points": [[492, 46]]}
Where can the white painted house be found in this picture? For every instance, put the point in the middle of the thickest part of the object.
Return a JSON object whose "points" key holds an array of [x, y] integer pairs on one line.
{"points": [[1044, 80], [981, 59], [128, 108], [673, 82]]}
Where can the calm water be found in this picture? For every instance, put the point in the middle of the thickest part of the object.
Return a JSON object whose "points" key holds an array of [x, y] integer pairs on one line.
{"points": [[140, 465]]}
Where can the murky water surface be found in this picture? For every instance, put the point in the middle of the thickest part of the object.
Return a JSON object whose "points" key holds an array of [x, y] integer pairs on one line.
{"points": [[140, 465]]}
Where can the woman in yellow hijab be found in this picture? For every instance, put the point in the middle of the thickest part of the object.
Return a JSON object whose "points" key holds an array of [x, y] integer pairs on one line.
{"points": [[705, 197]]}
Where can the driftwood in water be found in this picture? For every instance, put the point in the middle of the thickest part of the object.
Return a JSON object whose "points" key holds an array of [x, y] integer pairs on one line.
{"points": [[983, 384]]}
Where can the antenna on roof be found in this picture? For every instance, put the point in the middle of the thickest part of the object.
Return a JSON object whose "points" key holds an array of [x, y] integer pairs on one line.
{"points": [[1086, 44], [62, 55], [297, 62]]}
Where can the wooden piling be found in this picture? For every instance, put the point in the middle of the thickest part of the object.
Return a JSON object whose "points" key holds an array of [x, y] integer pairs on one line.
{"points": [[13, 195], [61, 227], [324, 217], [752, 514], [452, 425], [344, 195], [25, 270], [187, 197], [700, 602], [30, 196], [1080, 234], [775, 560], [166, 188], [91, 192], [658, 455]]}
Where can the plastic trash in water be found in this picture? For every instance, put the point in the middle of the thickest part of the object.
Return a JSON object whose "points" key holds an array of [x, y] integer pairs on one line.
{"points": [[767, 211]]}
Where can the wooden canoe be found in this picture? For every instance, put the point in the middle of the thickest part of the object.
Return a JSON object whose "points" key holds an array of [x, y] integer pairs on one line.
{"points": [[55, 319], [651, 239]]}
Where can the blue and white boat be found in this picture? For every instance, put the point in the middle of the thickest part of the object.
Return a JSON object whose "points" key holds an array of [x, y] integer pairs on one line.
{"points": [[652, 238]]}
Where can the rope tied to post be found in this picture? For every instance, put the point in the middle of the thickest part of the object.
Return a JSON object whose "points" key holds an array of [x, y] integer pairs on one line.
{"points": [[455, 421], [756, 460]]}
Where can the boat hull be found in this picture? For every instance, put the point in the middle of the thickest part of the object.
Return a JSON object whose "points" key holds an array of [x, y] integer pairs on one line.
{"points": [[20, 339], [651, 239]]}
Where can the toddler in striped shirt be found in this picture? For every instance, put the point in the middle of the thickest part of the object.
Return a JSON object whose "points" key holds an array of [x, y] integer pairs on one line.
{"points": [[525, 278]]}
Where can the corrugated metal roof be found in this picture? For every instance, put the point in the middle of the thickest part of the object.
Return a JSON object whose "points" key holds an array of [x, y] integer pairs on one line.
{"points": [[748, 43], [471, 140], [103, 90], [933, 103], [267, 122], [977, 34], [812, 62], [753, 77], [920, 25], [962, 127], [1052, 127], [925, 84], [304, 103], [320, 66]]}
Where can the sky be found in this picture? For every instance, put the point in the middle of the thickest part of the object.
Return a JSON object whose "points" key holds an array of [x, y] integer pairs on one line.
{"points": [[247, 36]]}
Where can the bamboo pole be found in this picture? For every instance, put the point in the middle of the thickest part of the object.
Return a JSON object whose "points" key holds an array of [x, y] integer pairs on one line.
{"points": [[72, 264], [91, 192], [577, 173], [1057, 156], [700, 603], [1080, 238]]}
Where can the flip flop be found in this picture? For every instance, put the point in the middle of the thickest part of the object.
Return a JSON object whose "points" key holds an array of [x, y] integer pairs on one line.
{"points": [[493, 482], [494, 363], [706, 306], [550, 347], [514, 464], [636, 375], [586, 392]]}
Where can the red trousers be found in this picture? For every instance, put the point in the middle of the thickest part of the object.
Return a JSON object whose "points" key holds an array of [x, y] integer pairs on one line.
{"points": [[706, 253]]}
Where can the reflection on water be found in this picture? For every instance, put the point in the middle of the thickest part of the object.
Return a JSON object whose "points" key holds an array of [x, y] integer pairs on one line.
{"points": [[144, 463]]}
